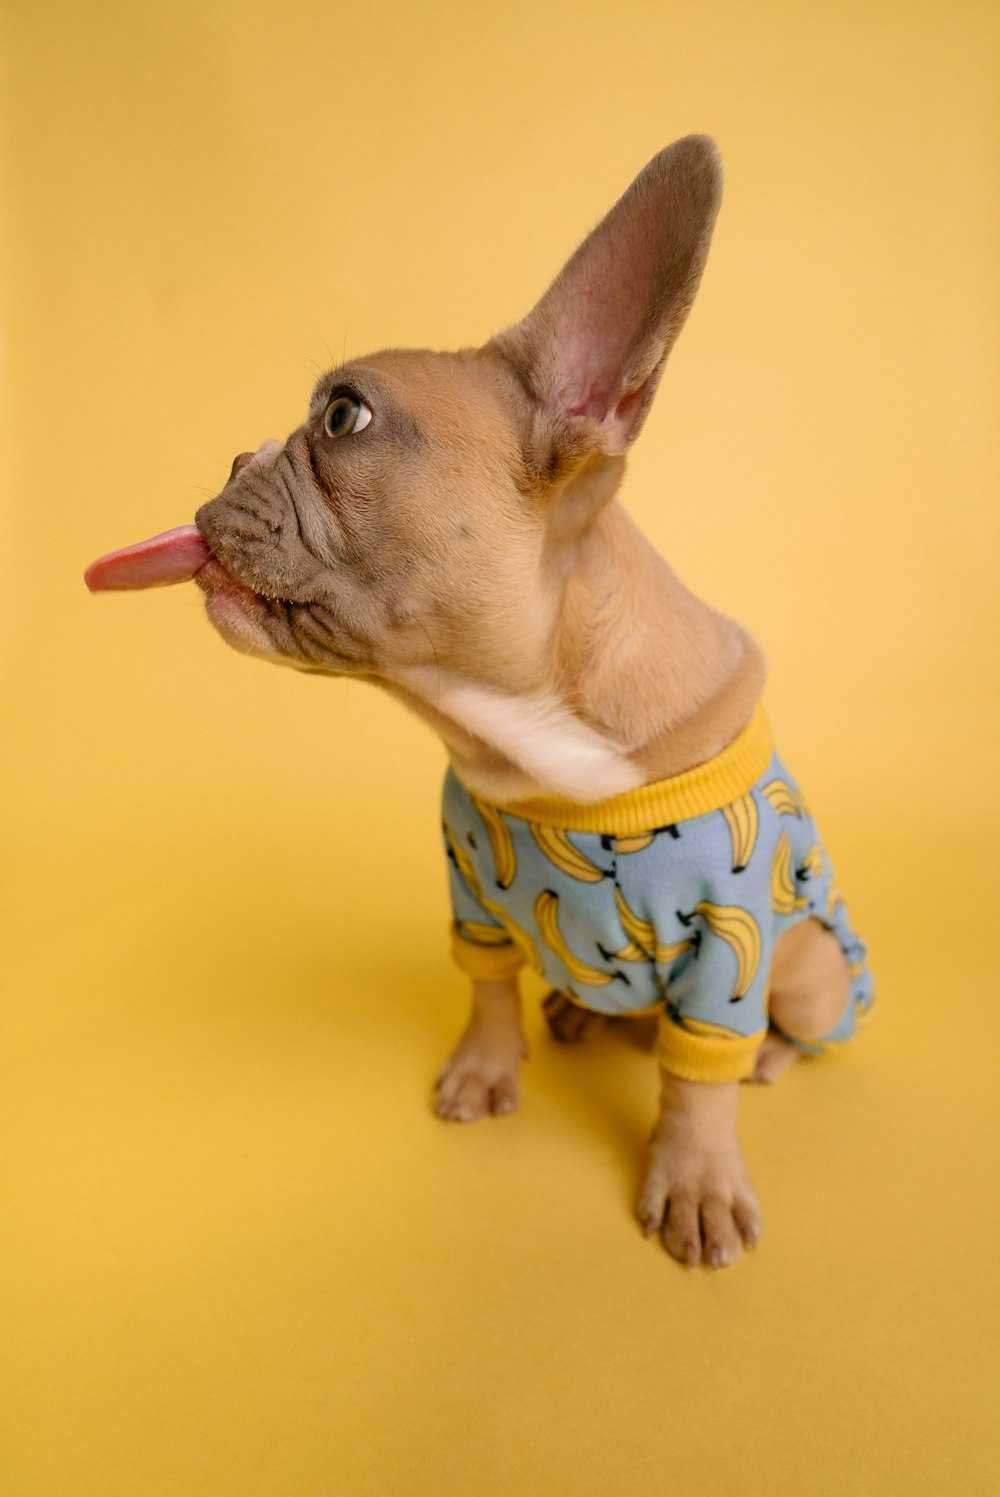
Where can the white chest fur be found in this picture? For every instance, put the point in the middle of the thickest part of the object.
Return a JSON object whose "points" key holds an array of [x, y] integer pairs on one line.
{"points": [[532, 744]]}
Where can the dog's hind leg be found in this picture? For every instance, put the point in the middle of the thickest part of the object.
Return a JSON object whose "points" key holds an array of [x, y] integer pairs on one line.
{"points": [[569, 1022], [809, 994]]}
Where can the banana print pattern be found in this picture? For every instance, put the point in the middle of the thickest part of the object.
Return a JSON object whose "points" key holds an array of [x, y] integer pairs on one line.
{"points": [[547, 915], [834, 899], [785, 898], [562, 854], [642, 944], [637, 843], [504, 857], [641, 933], [741, 933], [743, 821], [482, 935], [517, 934], [680, 917], [779, 793]]}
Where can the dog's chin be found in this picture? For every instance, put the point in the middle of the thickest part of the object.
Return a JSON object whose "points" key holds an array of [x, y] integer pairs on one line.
{"points": [[236, 612], [237, 615], [231, 621]]}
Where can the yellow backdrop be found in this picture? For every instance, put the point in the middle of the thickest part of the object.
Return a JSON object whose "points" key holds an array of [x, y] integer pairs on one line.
{"points": [[240, 1255]]}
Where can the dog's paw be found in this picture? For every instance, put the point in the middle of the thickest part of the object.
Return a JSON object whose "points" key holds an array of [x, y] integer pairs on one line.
{"points": [[699, 1197], [466, 1091], [479, 1081], [568, 1022]]}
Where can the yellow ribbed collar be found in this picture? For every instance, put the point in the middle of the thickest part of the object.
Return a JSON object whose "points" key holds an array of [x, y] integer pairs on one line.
{"points": [[707, 787]]}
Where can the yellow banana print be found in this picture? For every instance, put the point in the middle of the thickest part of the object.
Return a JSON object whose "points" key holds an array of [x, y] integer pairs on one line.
{"points": [[833, 898], [504, 857], [629, 953], [781, 798], [638, 843], [482, 935], [812, 864], [738, 929], [784, 898], [643, 945], [743, 820], [518, 935], [641, 932], [667, 955], [642, 936], [547, 915], [561, 852]]}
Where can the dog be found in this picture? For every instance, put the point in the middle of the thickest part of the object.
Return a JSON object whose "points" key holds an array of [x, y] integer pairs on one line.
{"points": [[447, 527]]}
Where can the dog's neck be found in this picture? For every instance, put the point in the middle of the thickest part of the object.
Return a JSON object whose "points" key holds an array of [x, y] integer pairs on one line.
{"points": [[643, 681]]}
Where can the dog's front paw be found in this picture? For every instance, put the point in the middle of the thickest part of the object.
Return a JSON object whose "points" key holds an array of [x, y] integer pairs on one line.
{"points": [[698, 1194], [481, 1078]]}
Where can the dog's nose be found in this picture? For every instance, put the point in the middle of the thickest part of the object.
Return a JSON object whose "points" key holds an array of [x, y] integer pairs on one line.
{"points": [[266, 453], [239, 461]]}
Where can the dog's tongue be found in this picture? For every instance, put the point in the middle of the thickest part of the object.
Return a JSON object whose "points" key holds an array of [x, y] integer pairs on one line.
{"points": [[174, 556]]}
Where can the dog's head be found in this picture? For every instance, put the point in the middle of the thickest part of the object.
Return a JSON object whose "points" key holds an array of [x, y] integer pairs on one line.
{"points": [[425, 514]]}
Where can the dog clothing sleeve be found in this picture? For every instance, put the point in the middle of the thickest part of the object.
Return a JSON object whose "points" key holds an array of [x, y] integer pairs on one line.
{"points": [[480, 944], [481, 940]]}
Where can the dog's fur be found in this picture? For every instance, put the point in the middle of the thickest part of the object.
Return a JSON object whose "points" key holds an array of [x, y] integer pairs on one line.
{"points": [[465, 551]]}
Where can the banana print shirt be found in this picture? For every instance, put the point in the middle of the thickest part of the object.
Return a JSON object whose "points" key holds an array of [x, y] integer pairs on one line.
{"points": [[668, 899]]}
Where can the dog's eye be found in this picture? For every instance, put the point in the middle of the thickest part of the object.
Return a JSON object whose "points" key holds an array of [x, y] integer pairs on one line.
{"points": [[345, 415]]}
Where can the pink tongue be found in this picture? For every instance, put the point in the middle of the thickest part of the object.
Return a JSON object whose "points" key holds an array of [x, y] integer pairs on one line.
{"points": [[174, 556]]}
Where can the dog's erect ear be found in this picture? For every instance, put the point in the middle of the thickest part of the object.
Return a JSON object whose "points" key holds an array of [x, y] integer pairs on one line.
{"points": [[592, 351]]}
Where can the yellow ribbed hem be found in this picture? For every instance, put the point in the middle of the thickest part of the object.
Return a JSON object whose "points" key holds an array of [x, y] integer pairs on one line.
{"points": [[485, 963], [707, 787], [704, 1052]]}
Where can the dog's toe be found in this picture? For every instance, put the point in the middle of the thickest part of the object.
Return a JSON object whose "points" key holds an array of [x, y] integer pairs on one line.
{"points": [[719, 1232], [463, 1098], [749, 1223], [503, 1096], [466, 1092], [681, 1230]]}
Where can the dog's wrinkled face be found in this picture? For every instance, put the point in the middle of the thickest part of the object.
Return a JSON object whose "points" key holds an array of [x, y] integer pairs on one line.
{"points": [[398, 527], [426, 515], [434, 526]]}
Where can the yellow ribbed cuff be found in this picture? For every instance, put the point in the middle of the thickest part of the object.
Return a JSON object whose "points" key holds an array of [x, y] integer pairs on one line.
{"points": [[485, 963], [707, 787], [704, 1052]]}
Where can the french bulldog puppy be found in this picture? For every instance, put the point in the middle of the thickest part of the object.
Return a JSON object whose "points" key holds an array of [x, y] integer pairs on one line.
{"points": [[446, 526]]}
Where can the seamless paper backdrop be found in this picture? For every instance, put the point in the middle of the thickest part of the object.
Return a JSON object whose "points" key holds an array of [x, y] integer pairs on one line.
{"points": [[240, 1255]]}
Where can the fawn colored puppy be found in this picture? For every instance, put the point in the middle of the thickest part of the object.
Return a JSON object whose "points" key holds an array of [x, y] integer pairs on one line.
{"points": [[446, 526]]}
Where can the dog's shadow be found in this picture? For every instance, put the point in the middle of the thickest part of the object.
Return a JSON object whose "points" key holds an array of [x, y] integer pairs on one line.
{"points": [[607, 1084]]}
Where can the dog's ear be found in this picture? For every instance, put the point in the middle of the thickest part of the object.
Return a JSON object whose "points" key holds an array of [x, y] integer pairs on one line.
{"points": [[591, 353]]}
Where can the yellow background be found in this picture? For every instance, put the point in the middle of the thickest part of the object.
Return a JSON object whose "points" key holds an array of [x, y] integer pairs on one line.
{"points": [[239, 1255]]}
